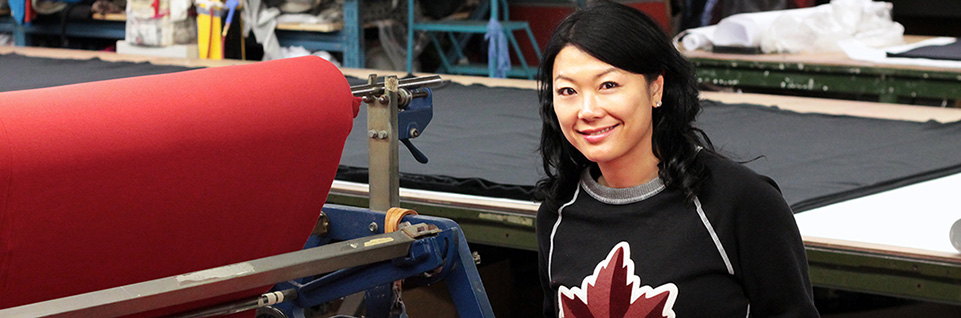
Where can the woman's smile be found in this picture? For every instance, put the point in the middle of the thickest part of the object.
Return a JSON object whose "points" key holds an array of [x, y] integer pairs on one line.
{"points": [[597, 135]]}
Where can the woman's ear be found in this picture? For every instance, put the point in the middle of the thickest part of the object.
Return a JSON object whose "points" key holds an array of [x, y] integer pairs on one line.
{"points": [[657, 91]]}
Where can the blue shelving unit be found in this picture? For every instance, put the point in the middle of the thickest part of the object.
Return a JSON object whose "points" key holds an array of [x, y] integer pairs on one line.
{"points": [[349, 40]]}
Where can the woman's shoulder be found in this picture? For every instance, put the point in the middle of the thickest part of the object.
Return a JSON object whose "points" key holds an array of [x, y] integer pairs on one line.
{"points": [[724, 174], [733, 192]]}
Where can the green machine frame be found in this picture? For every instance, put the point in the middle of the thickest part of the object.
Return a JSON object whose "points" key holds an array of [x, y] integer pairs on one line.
{"points": [[890, 84]]}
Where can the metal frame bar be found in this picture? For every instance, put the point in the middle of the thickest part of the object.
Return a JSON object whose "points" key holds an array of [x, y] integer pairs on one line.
{"points": [[90, 29], [888, 84], [491, 226], [475, 25], [182, 289], [87, 29], [456, 47], [444, 61], [872, 272], [353, 33], [382, 147], [520, 55]]}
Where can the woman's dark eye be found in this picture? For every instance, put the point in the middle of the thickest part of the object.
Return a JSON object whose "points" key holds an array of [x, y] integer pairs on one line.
{"points": [[565, 91], [608, 85]]}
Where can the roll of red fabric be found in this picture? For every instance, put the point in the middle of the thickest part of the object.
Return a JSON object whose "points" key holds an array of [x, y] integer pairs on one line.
{"points": [[110, 183]]}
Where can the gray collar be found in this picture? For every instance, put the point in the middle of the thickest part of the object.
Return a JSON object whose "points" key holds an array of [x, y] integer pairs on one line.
{"points": [[620, 195]]}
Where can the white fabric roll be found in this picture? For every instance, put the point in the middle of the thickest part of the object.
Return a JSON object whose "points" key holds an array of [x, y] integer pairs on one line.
{"points": [[745, 29], [698, 38], [956, 235]]}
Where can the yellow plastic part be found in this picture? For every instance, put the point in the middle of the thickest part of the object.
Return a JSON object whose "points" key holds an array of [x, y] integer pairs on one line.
{"points": [[209, 25], [394, 217]]}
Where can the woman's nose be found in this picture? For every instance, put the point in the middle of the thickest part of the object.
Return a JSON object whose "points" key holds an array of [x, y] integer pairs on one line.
{"points": [[589, 108]]}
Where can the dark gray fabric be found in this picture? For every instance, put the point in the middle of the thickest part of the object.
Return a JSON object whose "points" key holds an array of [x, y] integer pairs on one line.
{"points": [[492, 134], [21, 72], [936, 52], [820, 159], [476, 132], [483, 140]]}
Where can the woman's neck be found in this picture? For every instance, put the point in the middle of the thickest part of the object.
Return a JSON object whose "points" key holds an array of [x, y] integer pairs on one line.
{"points": [[628, 173]]}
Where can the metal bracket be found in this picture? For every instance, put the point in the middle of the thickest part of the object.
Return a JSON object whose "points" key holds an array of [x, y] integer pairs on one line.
{"points": [[385, 100], [383, 162]]}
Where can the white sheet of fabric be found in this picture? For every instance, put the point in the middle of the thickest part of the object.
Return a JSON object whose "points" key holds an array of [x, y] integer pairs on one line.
{"points": [[327, 16], [179, 9], [745, 29], [917, 216], [393, 41], [293, 51], [820, 29], [857, 50], [698, 38], [815, 29], [956, 235], [739, 30], [298, 51], [299, 18], [262, 21]]}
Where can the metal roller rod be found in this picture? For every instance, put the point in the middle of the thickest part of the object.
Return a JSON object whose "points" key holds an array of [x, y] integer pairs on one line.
{"points": [[267, 299], [181, 289], [407, 83]]}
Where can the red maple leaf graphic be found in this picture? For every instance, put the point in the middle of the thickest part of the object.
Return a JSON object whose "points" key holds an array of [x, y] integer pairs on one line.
{"points": [[614, 291]]}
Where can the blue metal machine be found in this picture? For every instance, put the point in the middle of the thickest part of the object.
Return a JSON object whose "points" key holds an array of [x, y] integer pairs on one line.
{"points": [[444, 256]]}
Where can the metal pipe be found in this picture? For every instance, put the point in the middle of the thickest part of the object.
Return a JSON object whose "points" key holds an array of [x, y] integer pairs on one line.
{"points": [[407, 83], [267, 299]]}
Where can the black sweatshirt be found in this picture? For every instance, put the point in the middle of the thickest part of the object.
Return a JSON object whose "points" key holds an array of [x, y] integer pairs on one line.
{"points": [[646, 251]]}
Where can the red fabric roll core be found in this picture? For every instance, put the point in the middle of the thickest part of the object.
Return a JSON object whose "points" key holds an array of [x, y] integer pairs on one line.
{"points": [[110, 183]]}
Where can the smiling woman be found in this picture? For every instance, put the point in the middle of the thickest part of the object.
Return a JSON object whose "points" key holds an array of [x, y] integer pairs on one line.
{"points": [[636, 201], [605, 112]]}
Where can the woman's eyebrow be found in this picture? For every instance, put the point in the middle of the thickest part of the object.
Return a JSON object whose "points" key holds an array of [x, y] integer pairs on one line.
{"points": [[605, 72], [598, 75]]}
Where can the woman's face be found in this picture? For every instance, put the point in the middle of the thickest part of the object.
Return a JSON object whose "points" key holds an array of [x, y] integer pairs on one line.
{"points": [[604, 111]]}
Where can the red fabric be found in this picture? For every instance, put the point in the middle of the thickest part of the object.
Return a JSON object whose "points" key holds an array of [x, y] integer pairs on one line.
{"points": [[27, 11], [801, 3], [116, 182], [544, 18]]}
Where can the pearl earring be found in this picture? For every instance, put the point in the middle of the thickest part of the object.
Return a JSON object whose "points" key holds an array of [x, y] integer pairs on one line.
{"points": [[658, 104]]}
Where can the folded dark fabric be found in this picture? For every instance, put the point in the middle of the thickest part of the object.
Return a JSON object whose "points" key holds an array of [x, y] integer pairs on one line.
{"points": [[935, 52]]}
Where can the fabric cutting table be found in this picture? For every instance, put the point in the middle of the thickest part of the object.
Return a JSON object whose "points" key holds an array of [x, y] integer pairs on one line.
{"points": [[829, 74]]}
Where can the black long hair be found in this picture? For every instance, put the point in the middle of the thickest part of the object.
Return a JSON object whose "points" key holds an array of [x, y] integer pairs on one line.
{"points": [[630, 40]]}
